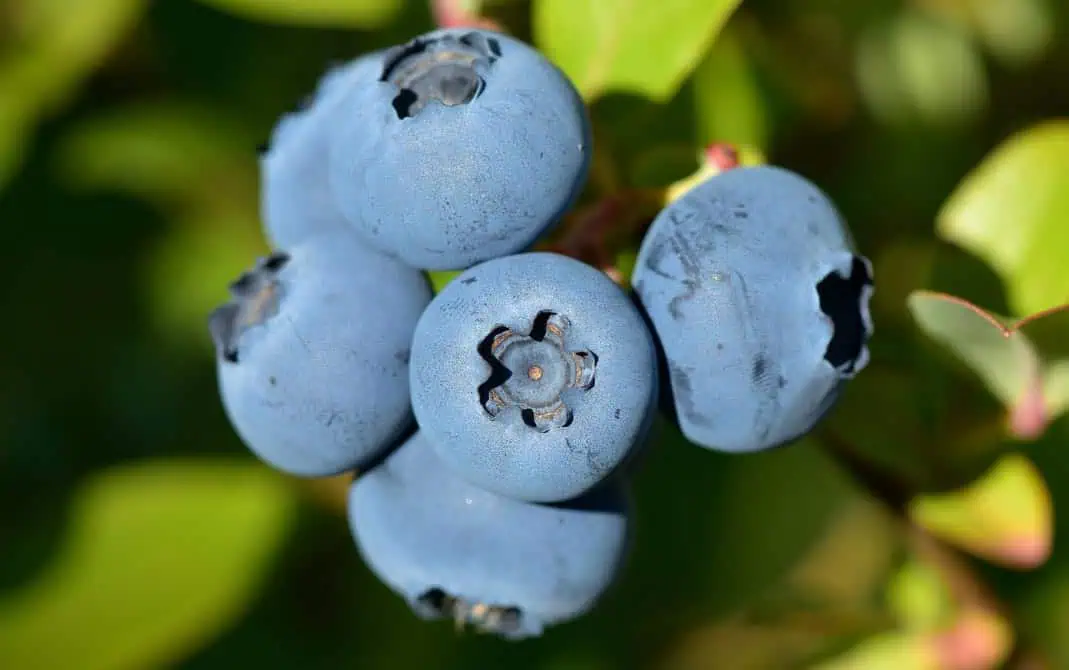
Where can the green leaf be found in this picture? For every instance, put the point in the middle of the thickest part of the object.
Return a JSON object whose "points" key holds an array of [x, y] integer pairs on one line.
{"points": [[1041, 613], [1005, 360], [728, 103], [441, 279], [826, 602], [977, 639], [918, 68], [724, 561], [195, 165], [318, 13], [1056, 387], [632, 46], [888, 651], [162, 557], [186, 274], [626, 260], [1012, 211], [168, 153], [757, 488], [1017, 32], [1005, 516], [662, 165], [920, 596], [1035, 387], [56, 44], [741, 644]]}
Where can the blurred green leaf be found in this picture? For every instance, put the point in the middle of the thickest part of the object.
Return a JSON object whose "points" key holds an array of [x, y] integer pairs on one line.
{"points": [[896, 442], [754, 490], [826, 602], [1017, 32], [1043, 612], [852, 560], [54, 45], [1056, 388], [738, 644], [1005, 360], [186, 274], [1013, 210], [162, 556], [902, 267], [16, 121], [195, 164], [625, 263], [440, 279], [977, 639], [729, 105], [921, 68], [316, 13], [1000, 353], [627, 45], [167, 152], [888, 651], [935, 631], [919, 596], [663, 164], [1005, 516]]}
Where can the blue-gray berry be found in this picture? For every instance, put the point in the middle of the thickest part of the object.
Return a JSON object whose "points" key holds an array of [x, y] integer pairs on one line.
{"points": [[295, 197], [313, 351], [760, 302], [534, 376], [501, 566], [467, 146]]}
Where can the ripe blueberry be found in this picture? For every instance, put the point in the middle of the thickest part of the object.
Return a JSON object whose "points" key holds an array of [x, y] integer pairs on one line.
{"points": [[454, 550], [313, 353], [295, 197], [533, 376], [760, 303], [467, 146]]}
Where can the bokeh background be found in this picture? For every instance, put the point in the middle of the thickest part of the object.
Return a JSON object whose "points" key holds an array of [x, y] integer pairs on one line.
{"points": [[916, 529]]}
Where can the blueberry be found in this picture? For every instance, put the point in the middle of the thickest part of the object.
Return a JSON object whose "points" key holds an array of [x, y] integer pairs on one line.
{"points": [[502, 566], [533, 376], [295, 197], [760, 303], [468, 146], [313, 352]]}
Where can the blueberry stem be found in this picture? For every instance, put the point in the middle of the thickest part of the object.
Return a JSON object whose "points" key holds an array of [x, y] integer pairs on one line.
{"points": [[461, 14], [595, 234], [722, 155]]}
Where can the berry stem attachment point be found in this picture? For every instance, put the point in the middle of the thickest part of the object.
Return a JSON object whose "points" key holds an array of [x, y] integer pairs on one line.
{"points": [[461, 14]]}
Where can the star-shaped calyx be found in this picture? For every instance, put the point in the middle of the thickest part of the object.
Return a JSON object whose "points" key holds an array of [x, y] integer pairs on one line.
{"points": [[482, 617], [535, 372], [254, 298]]}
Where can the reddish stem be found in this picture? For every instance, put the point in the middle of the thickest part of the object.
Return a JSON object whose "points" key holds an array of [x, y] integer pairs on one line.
{"points": [[452, 14], [722, 155], [589, 233]]}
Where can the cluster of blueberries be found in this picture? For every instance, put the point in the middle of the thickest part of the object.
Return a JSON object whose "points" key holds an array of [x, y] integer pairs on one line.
{"points": [[491, 424]]}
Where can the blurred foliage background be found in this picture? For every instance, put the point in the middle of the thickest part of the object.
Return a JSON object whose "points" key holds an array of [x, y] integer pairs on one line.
{"points": [[916, 529]]}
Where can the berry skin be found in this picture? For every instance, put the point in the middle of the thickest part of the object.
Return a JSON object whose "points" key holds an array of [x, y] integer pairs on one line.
{"points": [[295, 197], [313, 353], [467, 147], [533, 376], [454, 550], [760, 303]]}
